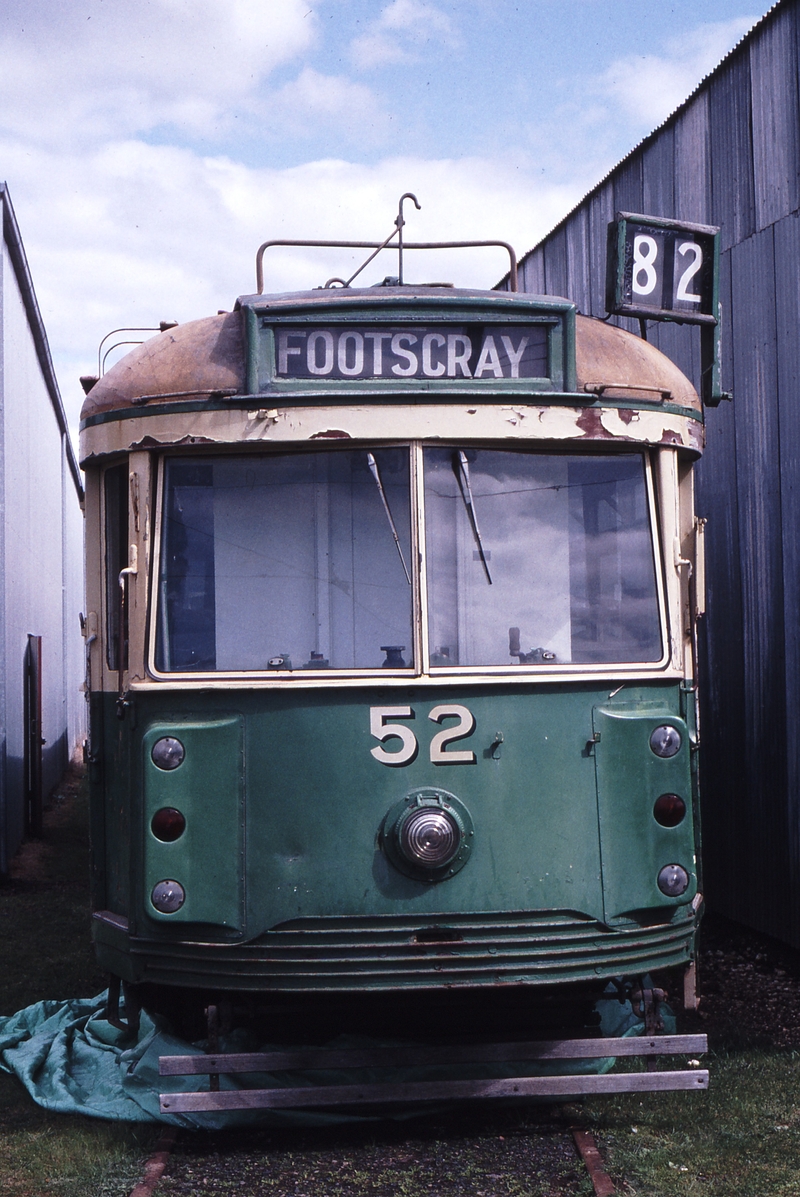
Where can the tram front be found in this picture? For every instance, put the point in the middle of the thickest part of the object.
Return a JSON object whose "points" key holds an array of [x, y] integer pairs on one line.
{"points": [[401, 695]]}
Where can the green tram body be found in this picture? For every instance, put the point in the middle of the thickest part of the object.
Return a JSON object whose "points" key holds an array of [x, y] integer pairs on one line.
{"points": [[252, 429]]}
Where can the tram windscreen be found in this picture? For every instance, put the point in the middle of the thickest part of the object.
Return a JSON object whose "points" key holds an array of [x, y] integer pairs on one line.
{"points": [[286, 561], [539, 558]]}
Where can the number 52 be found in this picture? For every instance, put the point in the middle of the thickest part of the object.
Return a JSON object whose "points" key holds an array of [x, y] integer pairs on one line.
{"points": [[409, 747]]}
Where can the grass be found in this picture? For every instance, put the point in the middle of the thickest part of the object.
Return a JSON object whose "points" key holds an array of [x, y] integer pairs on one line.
{"points": [[45, 952], [740, 1139]]}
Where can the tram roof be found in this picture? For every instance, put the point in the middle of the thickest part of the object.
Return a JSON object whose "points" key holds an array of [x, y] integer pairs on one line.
{"points": [[206, 357]]}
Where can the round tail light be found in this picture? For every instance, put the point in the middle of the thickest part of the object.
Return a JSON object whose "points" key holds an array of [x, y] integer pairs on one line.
{"points": [[669, 810], [168, 824]]}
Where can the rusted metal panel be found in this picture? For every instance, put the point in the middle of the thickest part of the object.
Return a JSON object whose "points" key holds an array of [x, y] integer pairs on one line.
{"points": [[775, 107], [732, 182], [692, 167], [192, 360]]}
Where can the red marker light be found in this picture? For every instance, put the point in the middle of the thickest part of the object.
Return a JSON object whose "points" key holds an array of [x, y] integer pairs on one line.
{"points": [[168, 824], [669, 810]]}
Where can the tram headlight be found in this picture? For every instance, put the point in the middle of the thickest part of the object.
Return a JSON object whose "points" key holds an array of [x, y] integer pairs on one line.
{"points": [[168, 753], [673, 880], [168, 824], [669, 810], [168, 896], [429, 837], [665, 740]]}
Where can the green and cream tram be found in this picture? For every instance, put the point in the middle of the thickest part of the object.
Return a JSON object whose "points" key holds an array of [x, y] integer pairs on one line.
{"points": [[392, 596]]}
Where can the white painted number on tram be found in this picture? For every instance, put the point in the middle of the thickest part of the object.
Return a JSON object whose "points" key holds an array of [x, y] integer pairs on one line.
{"points": [[382, 728]]}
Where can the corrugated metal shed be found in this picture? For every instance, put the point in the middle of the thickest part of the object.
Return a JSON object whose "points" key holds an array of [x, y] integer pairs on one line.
{"points": [[730, 156], [41, 534]]}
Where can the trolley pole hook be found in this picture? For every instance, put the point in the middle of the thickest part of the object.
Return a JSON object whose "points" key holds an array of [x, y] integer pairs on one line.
{"points": [[399, 221]]}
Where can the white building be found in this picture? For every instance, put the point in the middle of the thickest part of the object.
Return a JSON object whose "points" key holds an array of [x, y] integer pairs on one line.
{"points": [[41, 558]]}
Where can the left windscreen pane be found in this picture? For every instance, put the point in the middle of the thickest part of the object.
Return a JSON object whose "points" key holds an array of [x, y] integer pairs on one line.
{"points": [[286, 562]]}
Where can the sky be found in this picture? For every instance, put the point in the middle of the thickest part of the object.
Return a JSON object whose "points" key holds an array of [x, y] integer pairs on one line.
{"points": [[150, 146]]}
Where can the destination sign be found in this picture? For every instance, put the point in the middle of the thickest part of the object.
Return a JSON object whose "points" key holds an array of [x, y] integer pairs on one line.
{"points": [[397, 352]]}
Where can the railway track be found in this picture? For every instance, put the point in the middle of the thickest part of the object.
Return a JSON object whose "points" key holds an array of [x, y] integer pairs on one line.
{"points": [[483, 1153]]}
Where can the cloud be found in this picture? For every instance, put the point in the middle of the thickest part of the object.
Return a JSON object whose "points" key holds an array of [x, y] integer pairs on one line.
{"points": [[649, 87], [91, 69], [134, 233], [314, 102], [400, 34]]}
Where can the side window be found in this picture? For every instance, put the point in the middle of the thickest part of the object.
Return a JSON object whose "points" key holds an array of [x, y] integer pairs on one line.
{"points": [[116, 558]]}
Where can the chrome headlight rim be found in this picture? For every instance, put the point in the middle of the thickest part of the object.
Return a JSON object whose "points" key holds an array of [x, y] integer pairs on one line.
{"points": [[416, 821]]}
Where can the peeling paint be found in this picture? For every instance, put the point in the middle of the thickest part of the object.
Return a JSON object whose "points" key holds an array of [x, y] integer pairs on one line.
{"points": [[533, 422]]}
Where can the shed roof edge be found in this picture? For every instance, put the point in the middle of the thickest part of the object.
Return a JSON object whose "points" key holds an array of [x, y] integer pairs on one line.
{"points": [[16, 250]]}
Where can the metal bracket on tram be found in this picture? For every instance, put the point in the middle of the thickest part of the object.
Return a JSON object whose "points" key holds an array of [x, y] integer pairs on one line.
{"points": [[130, 570], [377, 246]]}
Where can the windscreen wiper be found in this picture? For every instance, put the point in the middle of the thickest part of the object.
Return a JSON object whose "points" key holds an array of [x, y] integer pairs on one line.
{"points": [[465, 487], [373, 465]]}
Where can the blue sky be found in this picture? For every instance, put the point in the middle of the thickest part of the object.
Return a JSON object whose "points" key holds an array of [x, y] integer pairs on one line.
{"points": [[149, 147]]}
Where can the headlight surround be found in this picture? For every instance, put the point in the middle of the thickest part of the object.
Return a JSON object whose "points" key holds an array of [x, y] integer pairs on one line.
{"points": [[428, 835]]}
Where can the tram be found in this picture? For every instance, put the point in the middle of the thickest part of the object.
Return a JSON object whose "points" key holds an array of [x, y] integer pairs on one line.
{"points": [[392, 594]]}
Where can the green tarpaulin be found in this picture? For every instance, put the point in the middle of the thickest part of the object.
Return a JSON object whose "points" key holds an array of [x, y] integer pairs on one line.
{"points": [[71, 1060]]}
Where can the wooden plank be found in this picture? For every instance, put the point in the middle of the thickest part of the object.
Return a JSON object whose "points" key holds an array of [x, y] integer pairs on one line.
{"points": [[776, 112], [693, 162], [762, 758], [579, 260], [787, 288], [531, 272], [555, 263], [658, 168], [628, 193], [601, 213], [388, 1057], [732, 184], [723, 786], [312, 1096]]}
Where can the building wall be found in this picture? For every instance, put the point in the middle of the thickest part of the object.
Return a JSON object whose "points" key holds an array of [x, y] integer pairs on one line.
{"points": [[730, 156], [41, 578]]}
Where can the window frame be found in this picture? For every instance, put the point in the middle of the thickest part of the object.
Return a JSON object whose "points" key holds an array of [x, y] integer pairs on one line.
{"points": [[421, 670]]}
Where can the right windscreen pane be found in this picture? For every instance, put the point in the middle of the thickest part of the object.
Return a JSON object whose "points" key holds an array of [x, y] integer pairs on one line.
{"points": [[539, 559]]}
